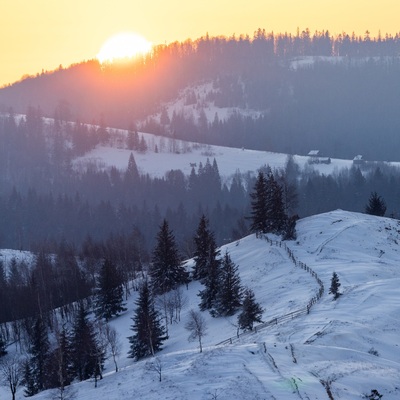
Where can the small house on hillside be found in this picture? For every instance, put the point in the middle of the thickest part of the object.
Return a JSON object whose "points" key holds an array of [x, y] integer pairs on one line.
{"points": [[315, 157], [358, 160]]}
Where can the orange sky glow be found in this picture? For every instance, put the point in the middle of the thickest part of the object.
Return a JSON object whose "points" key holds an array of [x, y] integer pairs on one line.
{"points": [[42, 34]]}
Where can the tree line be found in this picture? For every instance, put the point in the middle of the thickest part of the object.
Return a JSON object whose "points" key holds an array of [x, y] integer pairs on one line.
{"points": [[63, 343]]}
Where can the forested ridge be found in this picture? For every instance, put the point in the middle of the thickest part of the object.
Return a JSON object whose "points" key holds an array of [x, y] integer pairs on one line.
{"points": [[336, 92]]}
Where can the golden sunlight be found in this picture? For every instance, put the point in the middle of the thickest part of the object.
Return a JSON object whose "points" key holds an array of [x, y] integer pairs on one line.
{"points": [[123, 46]]}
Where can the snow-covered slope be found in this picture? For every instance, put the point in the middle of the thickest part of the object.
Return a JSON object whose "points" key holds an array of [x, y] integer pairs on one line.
{"points": [[341, 350], [178, 154]]}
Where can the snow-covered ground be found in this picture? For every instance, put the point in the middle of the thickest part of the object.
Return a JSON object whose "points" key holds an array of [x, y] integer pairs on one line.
{"points": [[181, 155], [350, 345]]}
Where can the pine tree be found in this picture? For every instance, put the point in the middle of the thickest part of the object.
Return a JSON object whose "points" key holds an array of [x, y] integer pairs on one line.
{"points": [[3, 351], [259, 205], [109, 292], [4, 297], [211, 281], [335, 285], [276, 217], [205, 250], [268, 209], [229, 295], [148, 331], [61, 372], [251, 311], [28, 381], [376, 205], [132, 139], [132, 172], [166, 271], [87, 359], [39, 350]]}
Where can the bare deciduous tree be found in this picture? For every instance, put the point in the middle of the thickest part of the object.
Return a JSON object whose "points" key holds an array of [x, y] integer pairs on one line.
{"points": [[155, 365], [180, 301], [10, 374], [114, 343], [197, 327]]}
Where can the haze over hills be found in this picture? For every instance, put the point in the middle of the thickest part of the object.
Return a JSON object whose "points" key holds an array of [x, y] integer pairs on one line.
{"points": [[343, 102], [103, 156]]}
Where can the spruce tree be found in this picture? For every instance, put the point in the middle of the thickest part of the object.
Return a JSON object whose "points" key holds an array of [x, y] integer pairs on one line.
{"points": [[376, 205], [87, 357], [335, 285], [40, 351], [132, 172], [62, 357], [259, 205], [4, 297], [3, 351], [148, 331], [205, 249], [109, 292], [251, 311], [166, 271], [276, 216], [229, 295], [29, 380], [211, 281]]}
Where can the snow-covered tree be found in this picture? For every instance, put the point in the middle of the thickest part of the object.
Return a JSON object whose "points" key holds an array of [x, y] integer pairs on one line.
{"points": [[335, 285], [166, 271], [211, 281], [205, 249], [109, 292], [229, 295], [251, 311], [259, 205], [87, 358], [149, 334], [39, 351]]}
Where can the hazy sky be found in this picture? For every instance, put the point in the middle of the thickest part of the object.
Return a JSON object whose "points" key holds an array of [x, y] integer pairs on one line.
{"points": [[42, 34]]}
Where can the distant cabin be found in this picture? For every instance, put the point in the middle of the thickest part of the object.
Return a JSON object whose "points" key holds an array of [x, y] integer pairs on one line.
{"points": [[357, 160], [315, 157]]}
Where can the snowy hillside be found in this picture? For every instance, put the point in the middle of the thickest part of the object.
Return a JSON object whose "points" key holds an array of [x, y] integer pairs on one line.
{"points": [[179, 154], [341, 349]]}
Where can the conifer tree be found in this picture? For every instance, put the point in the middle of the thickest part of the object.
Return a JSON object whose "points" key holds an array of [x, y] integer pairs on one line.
{"points": [[211, 281], [4, 297], [132, 172], [259, 205], [29, 380], [335, 285], [276, 216], [3, 351], [148, 331], [229, 295], [61, 372], [39, 350], [376, 205], [132, 138], [87, 359], [251, 311], [205, 249], [109, 292], [166, 271]]}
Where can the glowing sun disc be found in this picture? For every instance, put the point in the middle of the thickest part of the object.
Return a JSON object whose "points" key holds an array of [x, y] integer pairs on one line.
{"points": [[123, 46]]}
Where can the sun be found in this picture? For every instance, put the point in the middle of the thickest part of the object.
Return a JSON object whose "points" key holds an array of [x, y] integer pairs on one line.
{"points": [[123, 46]]}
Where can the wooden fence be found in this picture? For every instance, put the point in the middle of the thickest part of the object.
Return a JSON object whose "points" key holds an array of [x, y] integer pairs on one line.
{"points": [[287, 317]]}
